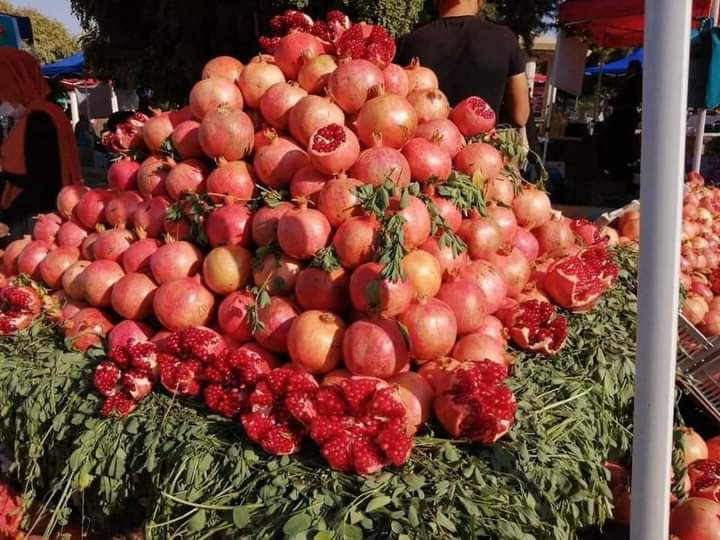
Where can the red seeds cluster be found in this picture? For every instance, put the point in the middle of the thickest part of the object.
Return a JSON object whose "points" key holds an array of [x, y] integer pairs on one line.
{"points": [[329, 138], [705, 479], [481, 107], [377, 45], [537, 327], [18, 308]]}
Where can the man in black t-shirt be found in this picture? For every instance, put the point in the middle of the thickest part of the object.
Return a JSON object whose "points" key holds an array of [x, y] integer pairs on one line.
{"points": [[472, 57]]}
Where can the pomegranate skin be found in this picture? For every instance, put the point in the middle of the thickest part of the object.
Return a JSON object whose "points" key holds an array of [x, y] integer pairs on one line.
{"points": [[183, 303], [233, 317], [315, 341], [371, 293], [432, 327], [375, 348], [467, 300], [302, 232], [477, 347]]}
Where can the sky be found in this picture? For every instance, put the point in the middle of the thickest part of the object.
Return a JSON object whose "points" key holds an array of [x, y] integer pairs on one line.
{"points": [[57, 9]]}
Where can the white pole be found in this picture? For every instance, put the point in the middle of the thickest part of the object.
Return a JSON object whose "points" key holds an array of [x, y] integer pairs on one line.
{"points": [[699, 148], [113, 98], [74, 109], [667, 57], [551, 93]]}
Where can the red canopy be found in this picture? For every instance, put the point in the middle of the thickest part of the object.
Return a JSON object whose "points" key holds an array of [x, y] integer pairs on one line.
{"points": [[614, 23]]}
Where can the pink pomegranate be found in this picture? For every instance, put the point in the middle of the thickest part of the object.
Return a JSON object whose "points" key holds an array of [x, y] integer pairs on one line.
{"points": [[72, 282], [351, 83], [501, 190], [430, 104], [210, 94], [354, 241], [468, 303], [505, 220], [416, 395], [417, 220], [310, 114], [696, 518], [226, 134], [150, 216], [152, 174], [122, 174], [333, 149], [88, 247], [315, 72], [87, 328], [120, 210], [277, 162], [432, 328], [291, 49], [396, 80], [137, 257], [315, 341], [125, 331], [554, 236], [28, 262], [526, 243], [449, 212], [70, 234], [230, 225], [443, 133], [532, 208], [473, 116], [489, 280], [420, 77], [68, 198], [514, 268], [257, 77], [476, 347], [372, 294], [307, 184], [338, 200], [183, 303], [132, 296], [174, 261], [110, 245], [479, 158], [390, 116], [53, 266], [423, 270], [326, 291], [302, 232], [90, 209], [482, 236], [46, 227], [224, 67], [277, 273], [185, 140], [277, 102], [378, 163], [450, 263], [233, 316], [98, 280], [375, 348], [231, 180], [265, 222], [276, 318], [156, 132], [11, 254], [428, 161], [186, 177]]}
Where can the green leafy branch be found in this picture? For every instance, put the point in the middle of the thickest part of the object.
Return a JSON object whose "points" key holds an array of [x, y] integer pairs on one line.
{"points": [[440, 229], [463, 193], [326, 259]]}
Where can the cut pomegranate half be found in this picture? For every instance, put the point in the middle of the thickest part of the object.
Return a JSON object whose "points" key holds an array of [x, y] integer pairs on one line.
{"points": [[535, 326]]}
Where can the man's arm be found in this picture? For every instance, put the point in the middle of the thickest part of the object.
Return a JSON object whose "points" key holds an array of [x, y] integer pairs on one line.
{"points": [[517, 100]]}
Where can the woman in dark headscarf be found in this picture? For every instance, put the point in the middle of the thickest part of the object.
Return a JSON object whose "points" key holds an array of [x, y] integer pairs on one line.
{"points": [[39, 156]]}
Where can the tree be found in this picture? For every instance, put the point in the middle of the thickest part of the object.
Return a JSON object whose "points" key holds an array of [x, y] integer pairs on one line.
{"points": [[52, 41], [164, 43]]}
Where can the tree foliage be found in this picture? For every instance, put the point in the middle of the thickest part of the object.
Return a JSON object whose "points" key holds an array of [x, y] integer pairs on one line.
{"points": [[164, 43], [52, 40]]}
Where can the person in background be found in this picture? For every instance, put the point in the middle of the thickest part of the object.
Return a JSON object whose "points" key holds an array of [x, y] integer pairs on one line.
{"points": [[623, 123], [84, 134], [472, 57], [39, 155], [146, 103]]}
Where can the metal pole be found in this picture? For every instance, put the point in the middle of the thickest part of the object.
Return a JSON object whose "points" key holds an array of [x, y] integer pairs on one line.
{"points": [[550, 91], [667, 50]]}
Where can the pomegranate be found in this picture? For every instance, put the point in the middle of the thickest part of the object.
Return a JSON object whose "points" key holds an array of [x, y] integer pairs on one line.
{"points": [[307, 184], [122, 174], [467, 301], [227, 269], [121, 209], [711, 323], [210, 94], [325, 291], [432, 328], [111, 245], [428, 161], [525, 242], [137, 257], [396, 80], [501, 190], [88, 246], [473, 116], [231, 180], [233, 318], [46, 227], [302, 232], [479, 158], [315, 72], [70, 234], [443, 133], [90, 209], [535, 326], [449, 212], [489, 280], [224, 67], [375, 348], [696, 519], [714, 448], [379, 163], [98, 280], [418, 225], [586, 233], [371, 293], [278, 273], [333, 149], [152, 174], [492, 327], [68, 198], [532, 208], [450, 264], [186, 177], [695, 308], [183, 303], [554, 236], [477, 404], [132, 296], [53, 266], [156, 131], [693, 445], [18, 308], [351, 83], [87, 328], [150, 216], [423, 272], [705, 479], [354, 241], [417, 395], [257, 77], [420, 77], [277, 162], [315, 341], [514, 268], [230, 225], [28, 262], [174, 261], [482, 236], [291, 49], [438, 373], [126, 333], [338, 200], [265, 222], [371, 42], [390, 116], [275, 319], [226, 134], [278, 101], [310, 114], [475, 347], [72, 282], [430, 104]]}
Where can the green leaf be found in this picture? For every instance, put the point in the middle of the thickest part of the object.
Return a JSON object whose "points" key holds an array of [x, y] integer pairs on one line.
{"points": [[241, 516], [198, 521], [378, 502], [297, 524]]}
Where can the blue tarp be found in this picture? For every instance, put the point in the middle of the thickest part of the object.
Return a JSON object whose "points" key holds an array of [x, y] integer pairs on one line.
{"points": [[619, 67], [72, 65]]}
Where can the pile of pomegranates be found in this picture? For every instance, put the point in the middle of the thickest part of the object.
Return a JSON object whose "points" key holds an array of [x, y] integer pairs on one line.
{"points": [[319, 216]]}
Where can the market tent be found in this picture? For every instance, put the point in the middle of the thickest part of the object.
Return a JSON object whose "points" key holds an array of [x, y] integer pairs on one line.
{"points": [[614, 23], [72, 65], [619, 66], [24, 27]]}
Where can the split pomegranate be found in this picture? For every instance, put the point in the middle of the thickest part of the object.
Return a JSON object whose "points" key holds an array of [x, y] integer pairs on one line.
{"points": [[428, 161], [183, 303], [379, 163], [315, 341], [372, 294], [87, 328], [277, 162], [705, 479], [338, 201], [226, 134], [257, 78], [389, 116], [432, 328], [479, 158], [375, 348], [18, 308], [174, 261], [535, 326], [210, 94], [230, 225], [302, 232], [369, 42], [278, 101], [333, 149], [126, 333], [310, 114], [473, 116]]}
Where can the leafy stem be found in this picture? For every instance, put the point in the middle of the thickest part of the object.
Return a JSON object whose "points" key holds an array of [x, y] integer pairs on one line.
{"points": [[326, 259], [441, 229], [464, 194], [392, 249]]}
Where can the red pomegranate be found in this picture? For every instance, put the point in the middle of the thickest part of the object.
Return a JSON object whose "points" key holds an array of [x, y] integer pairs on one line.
{"points": [[371, 42], [233, 316], [310, 114], [90, 209], [227, 269], [492, 327], [333, 149], [174, 261], [378, 163], [450, 263], [277, 162], [449, 212], [122, 174], [125, 333], [696, 519], [230, 225], [423, 270], [137, 257], [152, 174], [11, 254], [277, 273], [351, 83], [156, 132], [120, 210], [257, 77], [432, 328], [276, 318], [554, 236], [53, 266], [110, 245], [278, 101], [514, 268], [443, 133], [468, 303], [526, 243], [489, 280], [321, 290], [338, 200], [473, 116], [19, 306], [226, 134], [265, 222], [420, 77], [371, 293], [98, 280], [210, 94], [479, 158], [315, 341], [315, 72], [87, 328], [438, 373], [476, 347], [68, 198], [430, 104], [482, 236], [224, 67], [354, 241], [183, 303], [428, 161], [417, 225], [72, 282], [307, 184], [46, 227], [132, 296], [396, 80], [389, 116], [375, 348], [28, 262], [290, 50], [302, 232], [231, 180], [505, 220], [417, 395], [186, 177], [150, 216], [88, 246]]}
